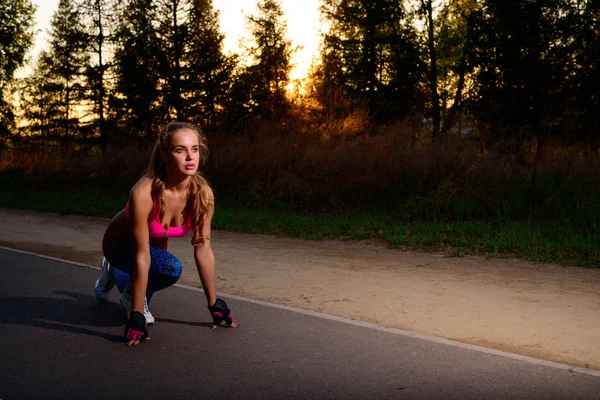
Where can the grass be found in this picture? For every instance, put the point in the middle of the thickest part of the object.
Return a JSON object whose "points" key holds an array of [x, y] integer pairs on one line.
{"points": [[558, 241], [302, 180], [91, 203]]}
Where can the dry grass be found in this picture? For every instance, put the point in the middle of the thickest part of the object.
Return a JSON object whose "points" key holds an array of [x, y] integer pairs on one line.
{"points": [[345, 164], [58, 168]]}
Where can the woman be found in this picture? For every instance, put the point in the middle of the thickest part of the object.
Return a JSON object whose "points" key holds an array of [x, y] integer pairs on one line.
{"points": [[171, 200]]}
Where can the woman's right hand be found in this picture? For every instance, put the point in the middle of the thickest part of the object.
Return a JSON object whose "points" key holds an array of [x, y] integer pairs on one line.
{"points": [[140, 208], [136, 330]]}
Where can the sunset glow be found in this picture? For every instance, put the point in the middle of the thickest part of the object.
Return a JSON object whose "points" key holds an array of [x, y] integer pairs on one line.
{"points": [[301, 16]]}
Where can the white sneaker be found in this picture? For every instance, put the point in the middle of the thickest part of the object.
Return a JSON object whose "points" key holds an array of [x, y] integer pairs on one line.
{"points": [[105, 283], [126, 302]]}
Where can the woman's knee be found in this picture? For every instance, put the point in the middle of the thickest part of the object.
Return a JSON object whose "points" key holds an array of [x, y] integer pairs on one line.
{"points": [[165, 269]]}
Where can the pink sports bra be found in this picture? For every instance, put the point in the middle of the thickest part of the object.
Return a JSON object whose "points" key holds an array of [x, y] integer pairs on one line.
{"points": [[155, 228]]}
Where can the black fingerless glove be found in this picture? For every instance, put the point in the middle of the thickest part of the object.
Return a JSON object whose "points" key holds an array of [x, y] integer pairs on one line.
{"points": [[220, 313], [136, 328]]}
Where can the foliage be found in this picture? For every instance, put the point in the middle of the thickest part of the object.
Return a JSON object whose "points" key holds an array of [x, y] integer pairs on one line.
{"points": [[56, 97], [137, 60], [195, 74], [16, 37], [260, 88], [209, 70], [100, 20], [369, 55], [497, 70], [516, 80]]}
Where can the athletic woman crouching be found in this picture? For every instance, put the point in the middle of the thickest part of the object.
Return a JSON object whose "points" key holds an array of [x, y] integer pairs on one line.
{"points": [[171, 200]]}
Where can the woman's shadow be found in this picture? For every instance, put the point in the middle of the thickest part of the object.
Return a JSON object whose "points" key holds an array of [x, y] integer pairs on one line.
{"points": [[78, 313]]}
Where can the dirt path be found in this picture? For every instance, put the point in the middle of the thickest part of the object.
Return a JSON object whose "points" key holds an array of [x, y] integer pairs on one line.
{"points": [[545, 311]]}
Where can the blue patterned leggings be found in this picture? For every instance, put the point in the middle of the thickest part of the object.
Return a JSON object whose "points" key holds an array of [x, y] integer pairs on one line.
{"points": [[165, 268]]}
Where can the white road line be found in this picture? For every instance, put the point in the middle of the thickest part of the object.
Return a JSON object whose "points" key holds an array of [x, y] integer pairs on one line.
{"points": [[449, 342]]}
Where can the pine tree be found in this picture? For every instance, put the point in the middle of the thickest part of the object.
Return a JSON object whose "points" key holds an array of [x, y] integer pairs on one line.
{"points": [[520, 66], [208, 71], [173, 33], [61, 71], [455, 57], [16, 37], [138, 57], [43, 103], [268, 73], [100, 24], [370, 55], [584, 25], [426, 9]]}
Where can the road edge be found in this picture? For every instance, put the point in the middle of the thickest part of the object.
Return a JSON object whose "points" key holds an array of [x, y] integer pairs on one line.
{"points": [[449, 342]]}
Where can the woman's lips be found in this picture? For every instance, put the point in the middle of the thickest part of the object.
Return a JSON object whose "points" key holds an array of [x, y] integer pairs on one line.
{"points": [[190, 166]]}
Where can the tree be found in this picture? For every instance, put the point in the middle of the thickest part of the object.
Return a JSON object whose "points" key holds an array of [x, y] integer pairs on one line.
{"points": [[196, 75], [455, 56], [426, 9], [170, 63], [173, 31], [370, 55], [99, 17], [268, 73], [138, 57], [328, 80], [16, 37], [42, 102], [207, 70], [584, 18], [520, 65], [61, 70]]}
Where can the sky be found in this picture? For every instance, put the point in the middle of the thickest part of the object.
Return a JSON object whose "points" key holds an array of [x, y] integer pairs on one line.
{"points": [[302, 18]]}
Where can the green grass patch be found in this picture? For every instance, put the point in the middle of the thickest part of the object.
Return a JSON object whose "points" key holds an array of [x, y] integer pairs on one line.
{"points": [[559, 241], [91, 203]]}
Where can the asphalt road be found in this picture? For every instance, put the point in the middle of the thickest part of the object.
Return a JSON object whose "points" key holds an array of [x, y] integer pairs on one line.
{"points": [[57, 342]]}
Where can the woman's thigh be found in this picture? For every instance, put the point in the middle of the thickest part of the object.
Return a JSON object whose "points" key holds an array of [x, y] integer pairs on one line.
{"points": [[165, 270]]}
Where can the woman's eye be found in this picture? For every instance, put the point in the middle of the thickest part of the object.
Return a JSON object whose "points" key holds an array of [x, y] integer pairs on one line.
{"points": [[195, 150], [178, 151]]}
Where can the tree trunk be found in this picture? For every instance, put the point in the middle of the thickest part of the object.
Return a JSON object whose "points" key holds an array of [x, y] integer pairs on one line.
{"points": [[369, 59], [101, 94], [177, 79], [435, 98], [456, 105], [67, 111]]}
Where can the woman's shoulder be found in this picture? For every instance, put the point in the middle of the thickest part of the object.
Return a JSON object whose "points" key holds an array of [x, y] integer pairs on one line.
{"points": [[208, 193], [142, 191]]}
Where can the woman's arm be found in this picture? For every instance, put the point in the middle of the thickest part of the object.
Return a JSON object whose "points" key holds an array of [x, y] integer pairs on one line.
{"points": [[205, 261], [140, 207]]}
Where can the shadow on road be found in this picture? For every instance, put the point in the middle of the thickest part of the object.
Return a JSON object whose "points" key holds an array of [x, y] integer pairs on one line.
{"points": [[76, 314], [174, 321]]}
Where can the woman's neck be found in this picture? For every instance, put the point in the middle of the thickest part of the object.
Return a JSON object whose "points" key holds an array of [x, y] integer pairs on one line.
{"points": [[177, 184]]}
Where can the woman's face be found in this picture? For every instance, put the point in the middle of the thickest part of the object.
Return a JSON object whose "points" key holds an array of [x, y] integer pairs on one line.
{"points": [[182, 155]]}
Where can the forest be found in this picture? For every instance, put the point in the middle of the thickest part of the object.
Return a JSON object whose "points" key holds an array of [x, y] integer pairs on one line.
{"points": [[449, 111]]}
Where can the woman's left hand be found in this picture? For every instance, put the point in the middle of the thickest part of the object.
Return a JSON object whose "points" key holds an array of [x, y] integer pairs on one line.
{"points": [[220, 313]]}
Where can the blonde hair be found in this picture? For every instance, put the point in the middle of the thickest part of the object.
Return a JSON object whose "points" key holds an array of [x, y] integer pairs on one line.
{"points": [[198, 203]]}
